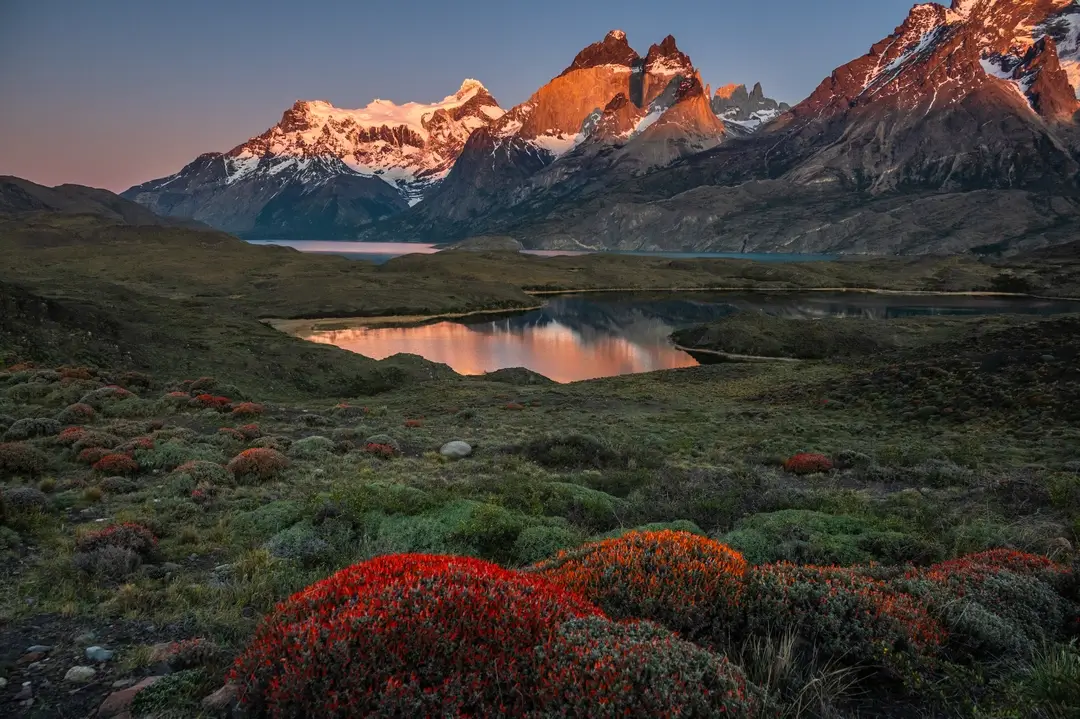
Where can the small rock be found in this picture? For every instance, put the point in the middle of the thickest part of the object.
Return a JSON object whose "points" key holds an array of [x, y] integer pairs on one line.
{"points": [[119, 702], [86, 638], [456, 449], [222, 699], [27, 692], [43, 649], [31, 657], [78, 675], [3, 683], [99, 654], [122, 683]]}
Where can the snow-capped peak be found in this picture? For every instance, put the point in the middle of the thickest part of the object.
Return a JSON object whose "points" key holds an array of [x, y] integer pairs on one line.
{"points": [[617, 35]]}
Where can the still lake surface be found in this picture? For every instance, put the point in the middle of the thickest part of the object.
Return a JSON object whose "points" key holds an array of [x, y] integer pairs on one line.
{"points": [[380, 252], [578, 337]]}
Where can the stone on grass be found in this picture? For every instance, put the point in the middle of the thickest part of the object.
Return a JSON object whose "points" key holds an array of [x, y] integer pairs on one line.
{"points": [[79, 675], [44, 649], [99, 654], [221, 700], [120, 701], [456, 450]]}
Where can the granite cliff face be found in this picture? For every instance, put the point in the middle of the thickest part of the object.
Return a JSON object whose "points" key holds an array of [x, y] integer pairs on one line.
{"points": [[957, 132], [323, 171]]}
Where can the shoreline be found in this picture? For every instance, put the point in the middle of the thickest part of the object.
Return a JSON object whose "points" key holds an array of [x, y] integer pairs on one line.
{"points": [[295, 325], [736, 357]]}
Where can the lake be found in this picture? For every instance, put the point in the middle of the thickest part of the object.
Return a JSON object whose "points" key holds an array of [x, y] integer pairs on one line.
{"points": [[585, 336], [380, 252]]}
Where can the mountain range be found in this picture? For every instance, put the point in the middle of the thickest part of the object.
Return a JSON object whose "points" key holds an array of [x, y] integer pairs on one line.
{"points": [[957, 132]]}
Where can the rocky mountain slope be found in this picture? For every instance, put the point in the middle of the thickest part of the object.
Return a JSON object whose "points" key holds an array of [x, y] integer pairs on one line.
{"points": [[956, 132], [746, 110], [322, 170], [612, 114]]}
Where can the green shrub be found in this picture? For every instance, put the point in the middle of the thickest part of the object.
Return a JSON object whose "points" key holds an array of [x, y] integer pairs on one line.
{"points": [[167, 456], [172, 691], [679, 525], [264, 521], [807, 537], [32, 427], [300, 542], [311, 448], [89, 439], [571, 451], [994, 604], [539, 542], [489, 531], [838, 614], [388, 497], [586, 507]]}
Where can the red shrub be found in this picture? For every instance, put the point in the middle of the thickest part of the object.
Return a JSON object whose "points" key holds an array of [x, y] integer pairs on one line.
{"points": [[514, 406], [414, 423], [208, 401], [137, 443], [261, 463], [116, 464], [178, 396], [129, 535], [406, 635], [250, 431], [384, 451], [93, 455], [674, 578], [997, 560], [248, 409], [807, 463], [71, 435], [233, 433], [20, 367]]}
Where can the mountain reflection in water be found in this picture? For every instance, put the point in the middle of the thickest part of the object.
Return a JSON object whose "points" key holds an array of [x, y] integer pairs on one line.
{"points": [[579, 337], [552, 349]]}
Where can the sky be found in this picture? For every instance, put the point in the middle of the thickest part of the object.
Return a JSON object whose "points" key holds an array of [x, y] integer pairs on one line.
{"points": [[112, 93]]}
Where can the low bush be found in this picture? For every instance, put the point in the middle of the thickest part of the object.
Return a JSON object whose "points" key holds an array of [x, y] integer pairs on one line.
{"points": [[673, 578], [808, 463], [539, 542], [127, 535], [232, 434], [383, 451], [108, 563], [92, 455], [248, 409], [116, 464], [167, 456], [597, 668], [214, 402], [406, 635], [249, 431], [32, 427], [311, 448], [100, 398], [21, 500], [807, 537], [133, 445], [994, 604], [18, 458], [95, 439], [258, 464], [840, 614], [572, 451], [77, 413]]}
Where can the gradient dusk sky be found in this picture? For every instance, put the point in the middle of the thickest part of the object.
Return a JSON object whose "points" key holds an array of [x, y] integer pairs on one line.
{"points": [[111, 93]]}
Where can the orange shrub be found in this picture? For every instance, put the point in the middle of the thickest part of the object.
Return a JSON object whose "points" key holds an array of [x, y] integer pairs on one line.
{"points": [[259, 463], [232, 433], [385, 451], [248, 409], [414, 423], [674, 578], [93, 455], [250, 431]]}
